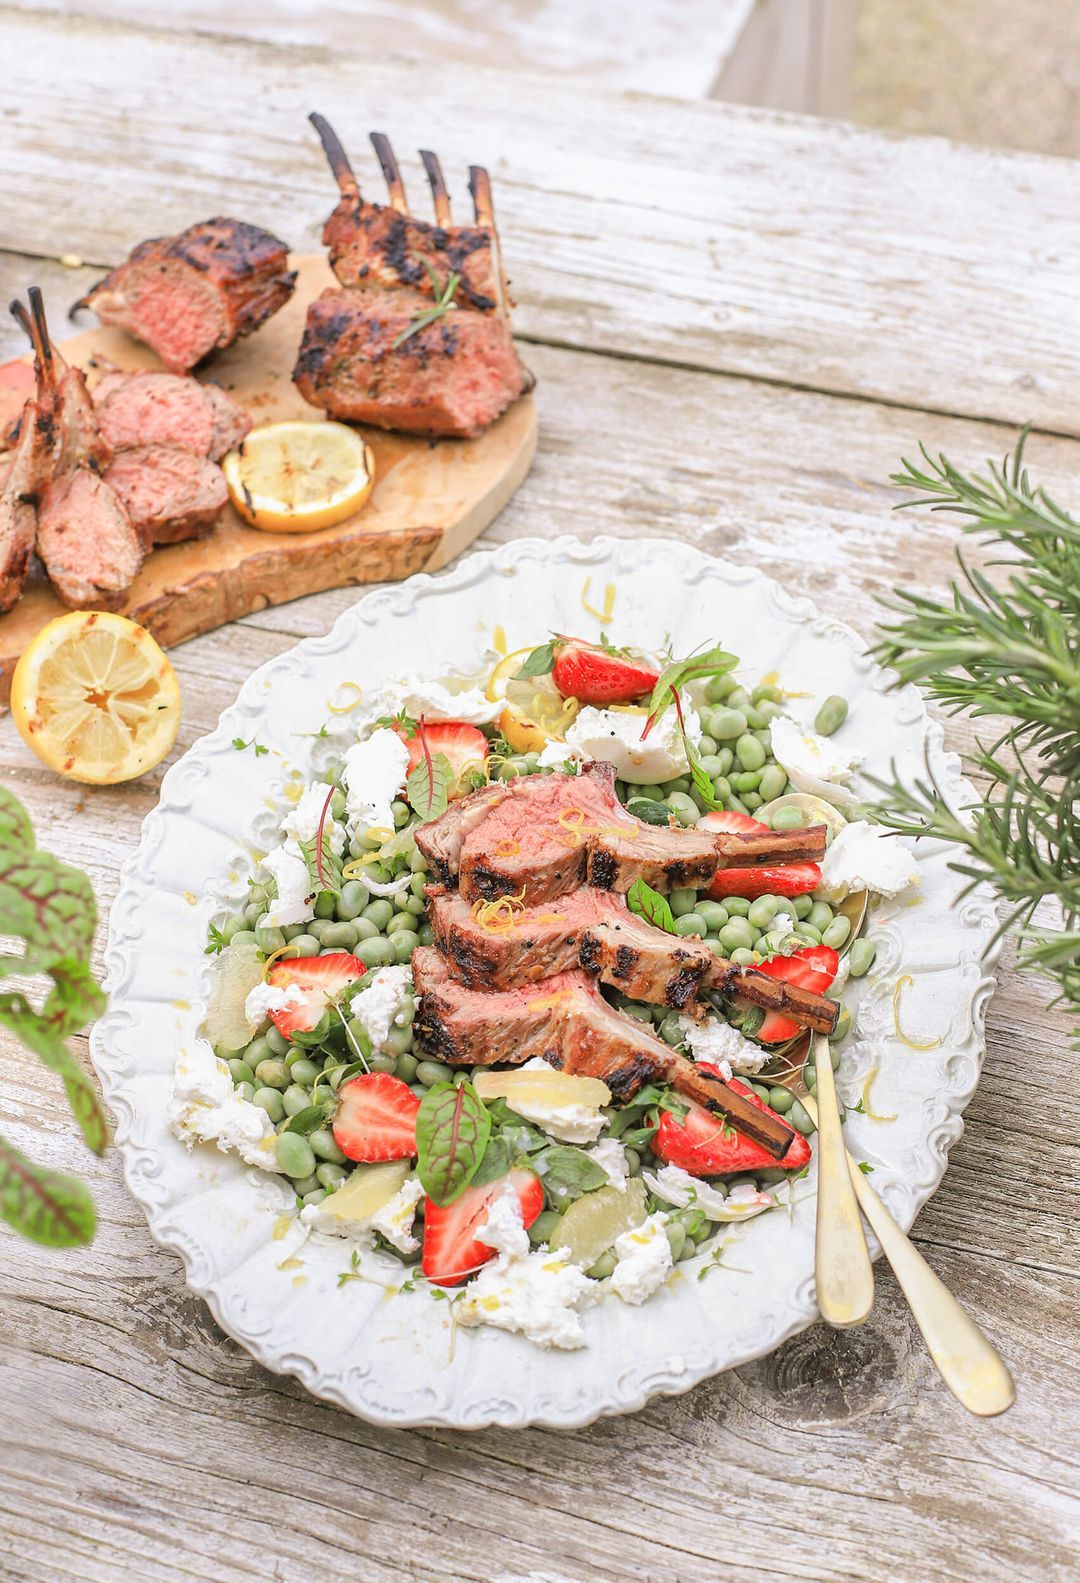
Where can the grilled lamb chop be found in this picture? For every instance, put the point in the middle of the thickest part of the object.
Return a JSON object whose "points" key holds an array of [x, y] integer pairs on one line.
{"points": [[170, 493], [544, 835], [371, 244], [367, 354], [566, 1020], [595, 930], [192, 294], [24, 476], [168, 409], [85, 537]]}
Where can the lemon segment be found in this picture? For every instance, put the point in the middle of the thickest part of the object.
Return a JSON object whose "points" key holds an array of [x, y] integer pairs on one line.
{"points": [[534, 715], [590, 1226], [95, 698], [550, 1088], [298, 477], [504, 673]]}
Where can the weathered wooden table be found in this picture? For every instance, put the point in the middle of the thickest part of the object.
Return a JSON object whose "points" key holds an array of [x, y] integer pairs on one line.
{"points": [[739, 323]]}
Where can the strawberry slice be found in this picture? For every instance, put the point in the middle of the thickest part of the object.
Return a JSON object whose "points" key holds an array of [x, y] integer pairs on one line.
{"points": [[783, 879], [376, 1118], [465, 746], [705, 1145], [814, 967], [600, 676], [452, 1248], [320, 979]]}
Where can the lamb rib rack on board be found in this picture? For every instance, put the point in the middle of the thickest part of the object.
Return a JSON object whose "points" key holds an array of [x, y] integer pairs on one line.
{"points": [[566, 1020]]}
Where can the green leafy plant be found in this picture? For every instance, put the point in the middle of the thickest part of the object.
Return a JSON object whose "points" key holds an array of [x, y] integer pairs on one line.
{"points": [[452, 1131], [650, 905], [1006, 650], [47, 912]]}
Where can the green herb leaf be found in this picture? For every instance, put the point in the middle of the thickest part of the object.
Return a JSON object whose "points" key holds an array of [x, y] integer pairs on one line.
{"points": [[452, 1130], [428, 785], [47, 1207], [697, 667], [866, 1168], [567, 1172], [499, 1157], [444, 301], [539, 663], [311, 1119], [216, 941], [649, 904]]}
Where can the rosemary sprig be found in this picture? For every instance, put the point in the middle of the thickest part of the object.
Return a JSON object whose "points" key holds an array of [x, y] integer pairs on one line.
{"points": [[1009, 649], [444, 301]]}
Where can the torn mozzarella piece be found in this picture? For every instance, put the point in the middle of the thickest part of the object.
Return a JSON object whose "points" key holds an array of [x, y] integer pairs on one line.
{"points": [[718, 1042], [644, 1260], [204, 1107], [289, 871], [452, 698], [864, 857], [815, 764], [374, 773], [265, 998], [610, 1156], [302, 822], [378, 1003], [614, 737], [504, 1229], [394, 1220], [536, 1296], [573, 1123]]}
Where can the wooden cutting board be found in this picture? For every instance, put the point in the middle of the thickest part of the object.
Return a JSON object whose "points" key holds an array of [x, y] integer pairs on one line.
{"points": [[431, 499]]}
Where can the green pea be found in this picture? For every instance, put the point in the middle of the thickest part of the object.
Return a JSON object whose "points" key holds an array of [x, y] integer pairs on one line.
{"points": [[431, 1072], [737, 906], [246, 1090], [270, 1100], [295, 1099], [376, 953], [800, 1119], [800, 906], [837, 932], [861, 957], [240, 1071], [324, 905], [604, 1266], [717, 688], [714, 914], [762, 911], [542, 1228], [382, 1062], [750, 753], [820, 915], [405, 1067], [324, 1147], [353, 899], [691, 923], [727, 724], [272, 1074], [737, 935], [313, 1198], [772, 783], [831, 716], [781, 1100], [379, 912], [277, 1042], [675, 1232], [330, 1176], [399, 1041], [788, 818], [682, 901], [404, 943], [684, 808]]}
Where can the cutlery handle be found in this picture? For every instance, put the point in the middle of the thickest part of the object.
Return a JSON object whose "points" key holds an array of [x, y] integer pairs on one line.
{"points": [[968, 1363], [845, 1276]]}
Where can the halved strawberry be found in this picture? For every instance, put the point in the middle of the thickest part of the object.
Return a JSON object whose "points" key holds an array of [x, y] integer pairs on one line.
{"points": [[320, 979], [452, 1249], [705, 1145], [600, 676], [465, 746], [814, 967], [376, 1118], [782, 879]]}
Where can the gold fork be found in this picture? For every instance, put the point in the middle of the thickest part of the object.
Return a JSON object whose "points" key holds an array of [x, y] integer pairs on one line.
{"points": [[967, 1361], [842, 1268]]}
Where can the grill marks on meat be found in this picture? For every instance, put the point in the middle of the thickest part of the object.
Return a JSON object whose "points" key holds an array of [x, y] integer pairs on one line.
{"points": [[195, 293], [596, 931], [565, 1020], [575, 832], [170, 494], [153, 408], [453, 376], [21, 481]]}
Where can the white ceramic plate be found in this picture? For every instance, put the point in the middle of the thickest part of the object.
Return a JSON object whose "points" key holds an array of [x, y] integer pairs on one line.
{"points": [[397, 1360]]}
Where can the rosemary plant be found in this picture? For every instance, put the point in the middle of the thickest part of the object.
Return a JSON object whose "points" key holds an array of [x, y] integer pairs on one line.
{"points": [[1007, 650]]}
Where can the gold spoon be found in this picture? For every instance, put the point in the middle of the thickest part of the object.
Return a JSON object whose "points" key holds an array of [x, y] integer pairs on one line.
{"points": [[967, 1361], [844, 1274]]}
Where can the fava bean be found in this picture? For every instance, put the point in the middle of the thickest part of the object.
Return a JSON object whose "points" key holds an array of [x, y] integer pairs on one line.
{"points": [[403, 942], [684, 808], [750, 753], [272, 1073], [762, 911], [754, 718], [761, 1091], [727, 724], [714, 914], [544, 1226], [415, 906], [676, 1235], [737, 935], [399, 1041], [691, 923], [717, 688], [323, 1146], [753, 801], [268, 939], [843, 1025], [330, 1176], [339, 937], [604, 1266], [243, 937], [240, 1071], [746, 781], [305, 945], [721, 788], [772, 783], [313, 1198], [682, 902], [707, 744], [744, 958], [325, 903], [831, 716], [431, 1072], [836, 933], [808, 934], [295, 1099], [354, 897], [270, 1100], [800, 906], [246, 1090], [737, 906], [365, 930], [800, 1119], [358, 1038], [376, 952], [820, 915], [405, 1068], [304, 1071], [633, 1161], [277, 1042], [382, 1061], [306, 1184], [426, 933], [670, 1030], [789, 819], [781, 1100], [379, 912], [861, 957]]}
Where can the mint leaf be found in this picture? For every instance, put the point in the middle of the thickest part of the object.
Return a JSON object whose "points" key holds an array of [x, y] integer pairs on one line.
{"points": [[311, 1119], [498, 1160], [428, 786], [649, 904], [567, 1173], [539, 663], [452, 1130], [45, 1206]]}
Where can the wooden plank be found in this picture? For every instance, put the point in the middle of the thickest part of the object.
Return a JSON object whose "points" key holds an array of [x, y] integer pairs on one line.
{"points": [[708, 235]]}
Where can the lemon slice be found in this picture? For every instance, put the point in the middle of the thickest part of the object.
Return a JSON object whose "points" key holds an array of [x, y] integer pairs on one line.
{"points": [[589, 1227], [534, 715], [503, 673], [95, 698], [296, 477]]}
